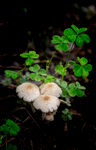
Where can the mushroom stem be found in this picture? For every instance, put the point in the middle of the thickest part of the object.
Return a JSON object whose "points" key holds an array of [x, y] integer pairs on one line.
{"points": [[32, 107], [64, 102]]}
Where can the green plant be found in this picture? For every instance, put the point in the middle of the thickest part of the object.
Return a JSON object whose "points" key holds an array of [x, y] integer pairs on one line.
{"points": [[71, 37], [10, 128]]}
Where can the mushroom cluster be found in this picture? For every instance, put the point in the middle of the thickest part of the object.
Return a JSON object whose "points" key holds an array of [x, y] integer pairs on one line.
{"points": [[44, 98]]}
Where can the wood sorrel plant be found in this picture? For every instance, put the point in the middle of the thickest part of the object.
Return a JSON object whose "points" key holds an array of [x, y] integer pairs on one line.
{"points": [[72, 36]]}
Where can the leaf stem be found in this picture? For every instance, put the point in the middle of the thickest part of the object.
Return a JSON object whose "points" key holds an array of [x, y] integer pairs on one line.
{"points": [[47, 67]]}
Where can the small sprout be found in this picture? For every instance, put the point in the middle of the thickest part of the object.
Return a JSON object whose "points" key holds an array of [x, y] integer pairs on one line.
{"points": [[28, 91], [51, 89], [66, 115]]}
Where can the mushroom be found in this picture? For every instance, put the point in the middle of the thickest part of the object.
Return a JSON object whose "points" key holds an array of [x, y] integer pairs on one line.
{"points": [[28, 91], [48, 104], [51, 89]]}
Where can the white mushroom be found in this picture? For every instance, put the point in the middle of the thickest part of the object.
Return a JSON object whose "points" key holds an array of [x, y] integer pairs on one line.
{"points": [[49, 116], [51, 89], [48, 104], [28, 91]]}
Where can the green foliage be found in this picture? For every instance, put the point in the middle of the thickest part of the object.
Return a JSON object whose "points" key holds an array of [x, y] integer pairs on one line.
{"points": [[9, 128], [72, 90], [83, 69], [66, 115], [12, 74], [30, 56], [11, 147], [71, 35]]}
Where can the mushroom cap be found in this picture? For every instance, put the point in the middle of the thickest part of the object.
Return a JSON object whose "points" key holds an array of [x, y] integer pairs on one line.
{"points": [[51, 89], [46, 103], [28, 91]]}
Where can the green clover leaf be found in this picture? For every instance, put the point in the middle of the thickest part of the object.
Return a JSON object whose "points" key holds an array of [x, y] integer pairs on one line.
{"points": [[42, 72], [62, 46], [34, 68], [75, 28], [82, 61], [10, 73], [24, 55], [29, 62], [60, 69], [56, 39], [82, 30], [70, 34], [77, 69]]}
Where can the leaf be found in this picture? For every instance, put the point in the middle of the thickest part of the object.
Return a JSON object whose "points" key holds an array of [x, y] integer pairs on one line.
{"points": [[75, 28], [33, 54], [5, 129], [63, 47], [72, 92], [85, 73], [64, 84], [64, 39], [79, 41], [56, 39], [77, 70], [49, 79], [11, 147], [85, 37], [34, 68], [24, 55], [79, 93], [83, 61], [60, 69], [42, 72], [69, 115], [14, 75], [70, 34], [65, 111], [8, 73], [80, 86], [32, 76], [64, 92], [82, 30], [14, 128], [29, 61], [71, 85], [88, 67]]}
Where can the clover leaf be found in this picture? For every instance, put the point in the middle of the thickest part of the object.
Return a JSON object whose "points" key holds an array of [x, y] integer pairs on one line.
{"points": [[29, 62], [11, 147], [49, 78], [56, 39], [81, 39], [62, 46], [66, 115], [83, 69], [10, 73], [60, 69], [34, 68], [70, 34]]}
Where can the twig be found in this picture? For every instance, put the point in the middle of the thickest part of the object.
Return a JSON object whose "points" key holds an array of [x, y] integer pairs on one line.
{"points": [[64, 102]]}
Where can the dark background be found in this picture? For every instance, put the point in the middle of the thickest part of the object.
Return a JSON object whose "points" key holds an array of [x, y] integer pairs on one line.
{"points": [[23, 29]]}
